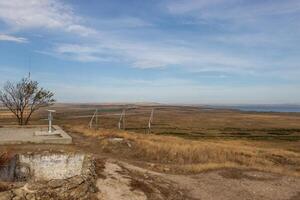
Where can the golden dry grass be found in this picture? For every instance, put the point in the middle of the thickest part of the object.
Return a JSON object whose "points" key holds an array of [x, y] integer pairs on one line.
{"points": [[187, 156], [217, 138]]}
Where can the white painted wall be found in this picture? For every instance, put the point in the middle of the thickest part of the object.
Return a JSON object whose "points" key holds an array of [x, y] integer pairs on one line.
{"points": [[53, 166]]}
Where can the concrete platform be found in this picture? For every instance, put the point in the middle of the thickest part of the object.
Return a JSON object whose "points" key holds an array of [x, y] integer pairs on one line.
{"points": [[33, 134]]}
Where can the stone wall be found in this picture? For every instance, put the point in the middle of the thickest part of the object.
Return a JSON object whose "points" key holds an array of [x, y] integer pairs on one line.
{"points": [[81, 186], [7, 170], [42, 165]]}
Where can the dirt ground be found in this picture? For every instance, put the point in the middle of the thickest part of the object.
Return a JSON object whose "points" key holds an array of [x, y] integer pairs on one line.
{"points": [[234, 184], [119, 179], [181, 121]]}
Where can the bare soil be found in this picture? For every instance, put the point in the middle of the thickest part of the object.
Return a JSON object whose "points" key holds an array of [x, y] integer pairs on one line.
{"points": [[122, 176], [118, 179]]}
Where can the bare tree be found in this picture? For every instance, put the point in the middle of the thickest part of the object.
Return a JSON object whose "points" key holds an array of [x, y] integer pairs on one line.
{"points": [[24, 98]]}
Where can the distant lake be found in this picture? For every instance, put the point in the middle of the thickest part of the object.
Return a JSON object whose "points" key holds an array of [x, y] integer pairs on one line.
{"points": [[261, 108]]}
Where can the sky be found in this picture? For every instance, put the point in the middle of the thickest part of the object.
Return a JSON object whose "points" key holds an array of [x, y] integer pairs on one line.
{"points": [[165, 51]]}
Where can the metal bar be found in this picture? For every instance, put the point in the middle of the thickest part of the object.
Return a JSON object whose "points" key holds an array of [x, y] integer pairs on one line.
{"points": [[96, 118], [91, 121], [50, 122], [150, 120], [120, 120], [124, 119]]}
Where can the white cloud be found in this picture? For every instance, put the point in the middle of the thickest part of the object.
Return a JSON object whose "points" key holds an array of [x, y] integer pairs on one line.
{"points": [[123, 22], [53, 14], [81, 30], [233, 9], [145, 55], [82, 53], [56, 15], [166, 90], [11, 38], [185, 6], [106, 46], [48, 14]]}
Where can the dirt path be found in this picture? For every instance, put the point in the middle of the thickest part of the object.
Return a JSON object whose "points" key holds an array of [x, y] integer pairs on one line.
{"points": [[113, 185], [233, 184], [121, 181]]}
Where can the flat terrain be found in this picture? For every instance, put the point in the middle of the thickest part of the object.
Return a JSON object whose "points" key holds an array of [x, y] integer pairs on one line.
{"points": [[191, 153], [188, 122], [34, 134]]}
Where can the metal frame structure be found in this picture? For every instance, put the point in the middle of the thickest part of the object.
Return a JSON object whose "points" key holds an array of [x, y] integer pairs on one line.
{"points": [[95, 116], [94, 122]]}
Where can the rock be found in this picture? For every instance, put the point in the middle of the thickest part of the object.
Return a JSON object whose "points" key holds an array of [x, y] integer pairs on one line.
{"points": [[152, 165], [22, 172], [6, 195], [30, 197], [74, 182], [166, 169], [19, 192], [18, 198], [128, 144], [116, 140], [77, 187], [56, 183]]}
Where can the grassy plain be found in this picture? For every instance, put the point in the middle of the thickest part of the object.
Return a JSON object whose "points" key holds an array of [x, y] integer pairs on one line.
{"points": [[186, 139]]}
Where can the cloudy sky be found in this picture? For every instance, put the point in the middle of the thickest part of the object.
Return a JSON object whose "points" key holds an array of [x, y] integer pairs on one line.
{"points": [[168, 51]]}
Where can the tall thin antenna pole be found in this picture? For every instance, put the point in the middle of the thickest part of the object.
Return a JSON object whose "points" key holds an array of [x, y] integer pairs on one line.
{"points": [[29, 66]]}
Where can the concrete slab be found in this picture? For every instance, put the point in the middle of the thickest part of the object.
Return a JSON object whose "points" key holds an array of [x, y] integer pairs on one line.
{"points": [[33, 134]]}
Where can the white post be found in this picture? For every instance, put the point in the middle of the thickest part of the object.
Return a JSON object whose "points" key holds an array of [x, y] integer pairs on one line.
{"points": [[91, 121], [96, 119], [150, 120], [50, 118], [124, 119], [120, 120]]}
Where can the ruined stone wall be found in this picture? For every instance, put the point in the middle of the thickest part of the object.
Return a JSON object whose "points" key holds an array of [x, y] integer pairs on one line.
{"points": [[7, 170], [80, 186], [42, 165]]}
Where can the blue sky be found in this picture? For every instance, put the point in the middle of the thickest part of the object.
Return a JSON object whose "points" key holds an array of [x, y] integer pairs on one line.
{"points": [[168, 51]]}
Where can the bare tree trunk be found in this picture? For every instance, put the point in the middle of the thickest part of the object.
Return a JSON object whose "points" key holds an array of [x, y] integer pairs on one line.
{"points": [[19, 120], [28, 117], [22, 118]]}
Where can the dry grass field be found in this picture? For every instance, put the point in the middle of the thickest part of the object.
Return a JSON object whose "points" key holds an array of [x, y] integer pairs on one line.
{"points": [[188, 139], [179, 155], [243, 155], [187, 122]]}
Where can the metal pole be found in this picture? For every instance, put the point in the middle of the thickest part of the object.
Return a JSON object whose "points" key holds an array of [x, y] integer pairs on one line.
{"points": [[150, 120], [50, 118], [96, 118], [50, 122], [91, 121], [120, 120], [124, 119]]}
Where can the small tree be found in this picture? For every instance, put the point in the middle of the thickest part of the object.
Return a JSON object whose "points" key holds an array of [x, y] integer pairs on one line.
{"points": [[24, 98]]}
